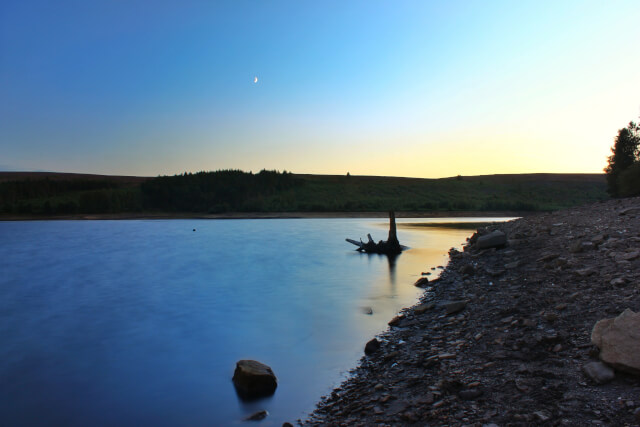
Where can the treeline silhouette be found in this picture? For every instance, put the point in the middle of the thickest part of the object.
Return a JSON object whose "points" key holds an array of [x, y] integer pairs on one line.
{"points": [[216, 192], [67, 196], [204, 192], [271, 191]]}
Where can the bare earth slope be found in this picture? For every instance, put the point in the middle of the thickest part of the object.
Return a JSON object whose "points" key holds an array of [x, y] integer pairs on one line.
{"points": [[514, 353]]}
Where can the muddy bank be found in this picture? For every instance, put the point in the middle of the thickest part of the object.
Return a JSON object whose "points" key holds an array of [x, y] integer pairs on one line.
{"points": [[502, 337]]}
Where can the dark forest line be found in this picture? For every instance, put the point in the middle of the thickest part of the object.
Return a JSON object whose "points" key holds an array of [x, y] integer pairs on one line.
{"points": [[225, 191]]}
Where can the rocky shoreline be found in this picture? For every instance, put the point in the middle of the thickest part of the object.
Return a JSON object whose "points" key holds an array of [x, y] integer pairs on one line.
{"points": [[503, 336]]}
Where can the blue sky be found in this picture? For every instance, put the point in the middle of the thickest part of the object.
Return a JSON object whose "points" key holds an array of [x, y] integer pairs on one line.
{"points": [[426, 89]]}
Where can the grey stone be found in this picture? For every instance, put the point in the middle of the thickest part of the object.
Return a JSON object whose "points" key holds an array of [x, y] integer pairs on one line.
{"points": [[618, 281], [470, 394], [396, 321], [542, 416], [494, 239], [629, 256], [575, 248], [494, 273], [423, 282], [629, 210], [587, 245], [619, 341], [598, 372], [455, 307], [372, 346], [585, 272], [423, 308], [547, 257], [468, 269]]}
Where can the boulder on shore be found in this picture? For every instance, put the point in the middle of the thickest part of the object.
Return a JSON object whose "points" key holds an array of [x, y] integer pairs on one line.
{"points": [[619, 341], [254, 379], [372, 346], [494, 239]]}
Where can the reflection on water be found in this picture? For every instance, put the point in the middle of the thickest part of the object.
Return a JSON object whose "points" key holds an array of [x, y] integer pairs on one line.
{"points": [[141, 322]]}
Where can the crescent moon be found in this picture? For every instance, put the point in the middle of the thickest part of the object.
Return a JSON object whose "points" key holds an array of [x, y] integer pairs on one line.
{"points": [[255, 80]]}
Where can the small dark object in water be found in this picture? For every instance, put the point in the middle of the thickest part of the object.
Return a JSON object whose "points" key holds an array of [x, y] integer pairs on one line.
{"points": [[422, 282], [260, 415], [194, 229]]}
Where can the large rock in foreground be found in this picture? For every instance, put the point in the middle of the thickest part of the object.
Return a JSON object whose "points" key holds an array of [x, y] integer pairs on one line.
{"points": [[254, 379], [619, 341], [494, 239]]}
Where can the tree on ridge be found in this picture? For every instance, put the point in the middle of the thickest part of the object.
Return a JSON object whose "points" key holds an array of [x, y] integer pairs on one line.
{"points": [[624, 155]]}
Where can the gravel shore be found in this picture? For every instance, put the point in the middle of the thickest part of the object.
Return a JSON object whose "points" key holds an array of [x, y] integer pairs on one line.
{"points": [[502, 337]]}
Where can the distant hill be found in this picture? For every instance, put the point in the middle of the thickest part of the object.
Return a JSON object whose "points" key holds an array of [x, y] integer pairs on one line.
{"points": [[50, 194], [66, 176]]}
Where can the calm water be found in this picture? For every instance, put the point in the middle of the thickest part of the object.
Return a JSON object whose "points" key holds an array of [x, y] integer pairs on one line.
{"points": [[141, 322]]}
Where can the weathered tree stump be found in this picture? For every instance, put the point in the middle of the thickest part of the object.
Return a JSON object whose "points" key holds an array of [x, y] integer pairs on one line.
{"points": [[391, 247]]}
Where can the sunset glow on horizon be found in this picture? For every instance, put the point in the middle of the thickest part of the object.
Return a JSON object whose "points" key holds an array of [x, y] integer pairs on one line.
{"points": [[410, 88]]}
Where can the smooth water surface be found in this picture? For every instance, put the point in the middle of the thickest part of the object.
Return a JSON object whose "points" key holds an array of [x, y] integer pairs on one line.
{"points": [[141, 322]]}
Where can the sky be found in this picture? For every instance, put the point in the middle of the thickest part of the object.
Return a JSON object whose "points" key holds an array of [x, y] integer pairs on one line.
{"points": [[399, 88]]}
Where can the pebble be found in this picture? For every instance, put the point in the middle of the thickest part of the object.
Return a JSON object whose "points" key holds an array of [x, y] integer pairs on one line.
{"points": [[455, 307], [470, 394], [396, 320], [423, 308], [446, 356], [438, 404], [618, 281], [598, 372], [542, 416]]}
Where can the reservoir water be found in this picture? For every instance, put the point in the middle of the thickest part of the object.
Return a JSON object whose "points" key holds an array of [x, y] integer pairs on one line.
{"points": [[108, 323]]}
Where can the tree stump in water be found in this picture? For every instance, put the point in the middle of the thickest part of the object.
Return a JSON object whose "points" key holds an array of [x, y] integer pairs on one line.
{"points": [[391, 247]]}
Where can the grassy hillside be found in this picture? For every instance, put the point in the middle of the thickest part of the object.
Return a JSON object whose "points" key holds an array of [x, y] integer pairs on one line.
{"points": [[235, 191], [492, 192]]}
